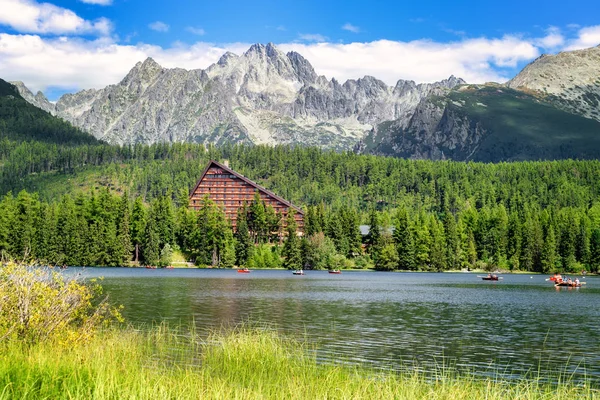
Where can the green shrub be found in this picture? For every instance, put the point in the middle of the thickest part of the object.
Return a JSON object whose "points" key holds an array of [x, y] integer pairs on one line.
{"points": [[38, 304]]}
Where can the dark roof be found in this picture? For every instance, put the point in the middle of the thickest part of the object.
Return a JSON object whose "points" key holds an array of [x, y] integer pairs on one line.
{"points": [[248, 181]]}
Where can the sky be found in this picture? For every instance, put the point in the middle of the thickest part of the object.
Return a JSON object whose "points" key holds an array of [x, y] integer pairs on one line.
{"points": [[64, 46]]}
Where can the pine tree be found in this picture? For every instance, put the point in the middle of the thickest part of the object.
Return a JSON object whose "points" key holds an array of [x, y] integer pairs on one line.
{"points": [[257, 219], [452, 241], [549, 257], [437, 250], [373, 238], [291, 246], [138, 227], [595, 250], [403, 237], [151, 245], [243, 244], [124, 247]]}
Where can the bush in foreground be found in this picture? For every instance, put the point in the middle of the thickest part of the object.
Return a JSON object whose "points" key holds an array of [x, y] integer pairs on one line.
{"points": [[38, 304]]}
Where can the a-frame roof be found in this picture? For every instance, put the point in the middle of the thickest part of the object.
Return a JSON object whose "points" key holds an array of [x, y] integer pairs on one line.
{"points": [[248, 181]]}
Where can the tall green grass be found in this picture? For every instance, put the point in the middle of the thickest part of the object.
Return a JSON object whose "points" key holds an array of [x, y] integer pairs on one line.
{"points": [[163, 363]]}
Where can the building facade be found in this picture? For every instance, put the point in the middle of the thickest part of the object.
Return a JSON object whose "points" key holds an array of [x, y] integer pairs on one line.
{"points": [[231, 190]]}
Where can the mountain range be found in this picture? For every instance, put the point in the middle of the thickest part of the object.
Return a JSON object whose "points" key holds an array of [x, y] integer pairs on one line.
{"points": [[549, 110]]}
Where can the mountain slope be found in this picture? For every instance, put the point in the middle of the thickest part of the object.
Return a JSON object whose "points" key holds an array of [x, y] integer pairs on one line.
{"points": [[570, 80], [20, 121], [488, 123], [263, 96]]}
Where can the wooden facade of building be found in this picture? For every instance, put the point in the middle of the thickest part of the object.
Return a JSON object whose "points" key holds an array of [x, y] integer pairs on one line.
{"points": [[230, 190]]}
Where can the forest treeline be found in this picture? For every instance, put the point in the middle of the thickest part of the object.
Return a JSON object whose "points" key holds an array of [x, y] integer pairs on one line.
{"points": [[102, 228], [432, 215]]}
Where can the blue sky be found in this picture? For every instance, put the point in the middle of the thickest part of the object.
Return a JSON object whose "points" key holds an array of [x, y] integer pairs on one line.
{"points": [[60, 46]]}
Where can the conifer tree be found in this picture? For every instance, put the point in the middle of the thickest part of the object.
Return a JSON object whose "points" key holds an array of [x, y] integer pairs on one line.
{"points": [[257, 219], [291, 246], [548, 260], [138, 227], [373, 238], [243, 244], [151, 246], [124, 247], [595, 250], [452, 241], [403, 237]]}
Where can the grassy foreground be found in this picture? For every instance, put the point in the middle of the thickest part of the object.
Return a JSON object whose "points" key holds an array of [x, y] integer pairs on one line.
{"points": [[247, 364]]}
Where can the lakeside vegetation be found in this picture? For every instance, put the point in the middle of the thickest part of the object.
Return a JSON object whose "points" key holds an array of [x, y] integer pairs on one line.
{"points": [[247, 364], [531, 216]]}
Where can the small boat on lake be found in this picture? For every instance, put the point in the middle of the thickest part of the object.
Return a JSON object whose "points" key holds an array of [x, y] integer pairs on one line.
{"points": [[243, 271], [335, 271], [490, 277], [565, 284], [298, 272], [150, 267]]}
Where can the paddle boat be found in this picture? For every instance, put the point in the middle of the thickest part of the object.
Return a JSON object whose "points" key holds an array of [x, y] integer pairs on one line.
{"points": [[567, 284], [335, 271], [243, 271], [298, 272]]}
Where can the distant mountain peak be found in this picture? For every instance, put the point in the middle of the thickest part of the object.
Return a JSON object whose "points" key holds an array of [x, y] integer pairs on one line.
{"points": [[227, 58]]}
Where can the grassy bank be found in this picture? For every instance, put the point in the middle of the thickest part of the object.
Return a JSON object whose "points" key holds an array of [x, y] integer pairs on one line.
{"points": [[161, 364]]}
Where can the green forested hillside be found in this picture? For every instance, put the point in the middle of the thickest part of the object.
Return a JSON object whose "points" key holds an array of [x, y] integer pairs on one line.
{"points": [[524, 128], [21, 121], [489, 123], [538, 216]]}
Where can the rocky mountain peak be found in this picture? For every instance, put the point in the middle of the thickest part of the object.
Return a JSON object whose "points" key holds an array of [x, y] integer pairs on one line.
{"points": [[571, 78], [227, 58], [146, 70], [304, 70]]}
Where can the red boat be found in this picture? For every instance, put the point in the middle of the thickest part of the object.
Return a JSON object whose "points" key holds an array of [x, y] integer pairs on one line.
{"points": [[335, 271], [150, 267], [244, 271], [490, 277]]}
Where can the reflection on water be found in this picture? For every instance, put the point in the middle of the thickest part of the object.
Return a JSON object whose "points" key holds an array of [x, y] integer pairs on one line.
{"points": [[417, 320]]}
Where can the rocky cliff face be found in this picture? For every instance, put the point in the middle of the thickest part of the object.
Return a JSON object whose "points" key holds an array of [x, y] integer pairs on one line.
{"points": [[263, 96], [570, 79]]}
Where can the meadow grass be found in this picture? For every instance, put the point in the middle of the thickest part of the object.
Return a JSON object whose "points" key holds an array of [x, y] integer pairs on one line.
{"points": [[166, 363]]}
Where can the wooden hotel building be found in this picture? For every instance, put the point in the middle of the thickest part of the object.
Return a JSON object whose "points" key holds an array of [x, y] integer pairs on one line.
{"points": [[230, 190]]}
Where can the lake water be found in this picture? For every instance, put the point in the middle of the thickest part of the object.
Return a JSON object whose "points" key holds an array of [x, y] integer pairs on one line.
{"points": [[521, 324]]}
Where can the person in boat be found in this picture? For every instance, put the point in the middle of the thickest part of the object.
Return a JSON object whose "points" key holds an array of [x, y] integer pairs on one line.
{"points": [[576, 281], [557, 278], [569, 281]]}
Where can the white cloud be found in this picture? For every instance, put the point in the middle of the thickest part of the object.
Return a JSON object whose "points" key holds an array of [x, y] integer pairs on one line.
{"points": [[552, 40], [351, 28], [29, 16], [312, 37], [76, 63], [98, 2], [475, 60], [159, 26], [586, 37], [195, 31]]}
